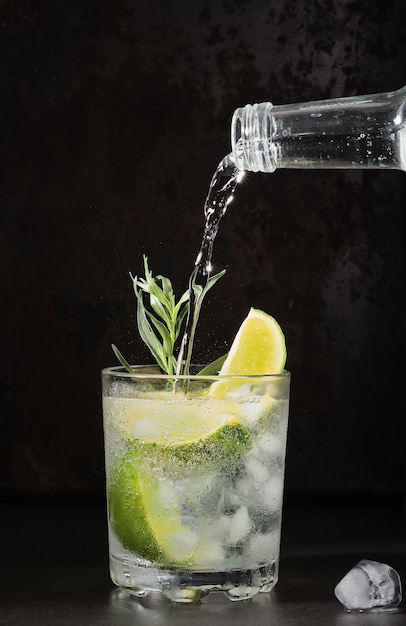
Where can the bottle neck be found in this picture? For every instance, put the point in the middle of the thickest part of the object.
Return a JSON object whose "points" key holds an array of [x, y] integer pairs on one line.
{"points": [[346, 133]]}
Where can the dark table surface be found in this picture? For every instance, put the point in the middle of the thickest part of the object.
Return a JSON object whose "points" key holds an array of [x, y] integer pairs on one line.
{"points": [[54, 569]]}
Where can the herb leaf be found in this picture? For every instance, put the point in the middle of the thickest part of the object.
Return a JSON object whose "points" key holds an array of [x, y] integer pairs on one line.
{"points": [[159, 327], [122, 360], [199, 292], [160, 318], [213, 368]]}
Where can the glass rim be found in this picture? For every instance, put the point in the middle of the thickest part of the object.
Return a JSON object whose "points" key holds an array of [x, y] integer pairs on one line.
{"points": [[119, 370]]}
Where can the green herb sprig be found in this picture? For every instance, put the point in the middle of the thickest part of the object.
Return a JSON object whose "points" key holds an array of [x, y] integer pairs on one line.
{"points": [[160, 323]]}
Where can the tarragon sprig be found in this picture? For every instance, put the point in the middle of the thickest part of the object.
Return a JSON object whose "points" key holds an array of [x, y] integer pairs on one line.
{"points": [[199, 292], [160, 324]]}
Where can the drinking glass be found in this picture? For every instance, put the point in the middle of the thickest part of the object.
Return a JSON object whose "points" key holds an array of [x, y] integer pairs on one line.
{"points": [[194, 479]]}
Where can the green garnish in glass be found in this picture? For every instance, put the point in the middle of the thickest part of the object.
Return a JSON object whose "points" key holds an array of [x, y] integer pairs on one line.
{"points": [[160, 319]]}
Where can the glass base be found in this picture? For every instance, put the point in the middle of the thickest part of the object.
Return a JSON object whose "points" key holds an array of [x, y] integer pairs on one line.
{"points": [[189, 586]]}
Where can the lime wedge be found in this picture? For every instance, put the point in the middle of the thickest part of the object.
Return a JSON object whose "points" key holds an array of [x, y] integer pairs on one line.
{"points": [[170, 439], [169, 429], [258, 349], [145, 514], [127, 512], [227, 442]]}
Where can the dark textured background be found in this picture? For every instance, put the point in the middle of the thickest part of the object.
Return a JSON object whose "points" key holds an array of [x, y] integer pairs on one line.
{"points": [[114, 115]]}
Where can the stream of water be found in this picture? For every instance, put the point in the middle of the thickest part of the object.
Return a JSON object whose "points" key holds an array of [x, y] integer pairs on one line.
{"points": [[221, 190]]}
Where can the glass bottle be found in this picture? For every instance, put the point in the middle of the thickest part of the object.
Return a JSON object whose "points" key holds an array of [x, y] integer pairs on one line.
{"points": [[356, 132]]}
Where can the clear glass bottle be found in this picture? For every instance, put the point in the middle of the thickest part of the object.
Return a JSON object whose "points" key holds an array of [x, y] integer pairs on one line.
{"points": [[356, 132]]}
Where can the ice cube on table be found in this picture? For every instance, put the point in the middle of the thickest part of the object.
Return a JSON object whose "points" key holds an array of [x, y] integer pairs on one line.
{"points": [[368, 585]]}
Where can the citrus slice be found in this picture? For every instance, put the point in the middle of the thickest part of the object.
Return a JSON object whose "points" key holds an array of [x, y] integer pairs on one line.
{"points": [[169, 438], [171, 429], [146, 516], [127, 513], [258, 349]]}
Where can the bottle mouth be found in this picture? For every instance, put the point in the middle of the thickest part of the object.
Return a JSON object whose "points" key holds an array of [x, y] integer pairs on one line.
{"points": [[251, 138]]}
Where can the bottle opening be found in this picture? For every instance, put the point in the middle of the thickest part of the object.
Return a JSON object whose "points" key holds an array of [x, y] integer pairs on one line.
{"points": [[251, 138]]}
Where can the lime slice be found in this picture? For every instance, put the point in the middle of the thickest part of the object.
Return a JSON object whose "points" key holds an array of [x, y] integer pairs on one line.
{"points": [[172, 429], [127, 512], [227, 442], [258, 348], [145, 514], [170, 439]]}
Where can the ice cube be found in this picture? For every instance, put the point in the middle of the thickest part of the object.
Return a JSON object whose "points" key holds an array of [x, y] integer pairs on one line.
{"points": [[262, 548], [254, 404], [240, 525], [245, 488], [368, 585], [272, 494], [271, 446], [182, 542], [257, 470], [209, 553], [217, 528], [266, 495]]}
